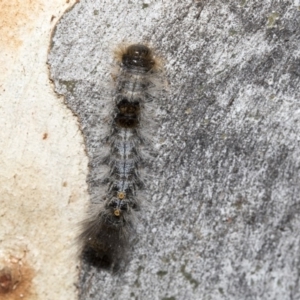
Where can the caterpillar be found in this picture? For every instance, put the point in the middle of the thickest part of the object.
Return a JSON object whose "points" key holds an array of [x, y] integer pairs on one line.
{"points": [[106, 234]]}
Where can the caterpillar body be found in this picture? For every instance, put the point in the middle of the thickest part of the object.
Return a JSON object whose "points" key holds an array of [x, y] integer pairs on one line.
{"points": [[106, 233]]}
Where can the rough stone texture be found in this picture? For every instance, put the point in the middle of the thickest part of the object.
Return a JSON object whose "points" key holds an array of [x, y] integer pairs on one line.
{"points": [[223, 216], [43, 165]]}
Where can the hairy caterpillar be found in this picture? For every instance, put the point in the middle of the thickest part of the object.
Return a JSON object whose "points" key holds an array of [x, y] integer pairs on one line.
{"points": [[106, 233]]}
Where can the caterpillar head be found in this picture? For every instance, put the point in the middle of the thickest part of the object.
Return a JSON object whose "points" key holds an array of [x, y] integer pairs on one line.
{"points": [[138, 57]]}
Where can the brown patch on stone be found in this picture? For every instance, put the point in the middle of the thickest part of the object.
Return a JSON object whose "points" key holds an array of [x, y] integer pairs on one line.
{"points": [[16, 277], [6, 283], [45, 135]]}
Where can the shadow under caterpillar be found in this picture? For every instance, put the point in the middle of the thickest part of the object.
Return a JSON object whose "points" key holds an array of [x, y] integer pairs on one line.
{"points": [[106, 233]]}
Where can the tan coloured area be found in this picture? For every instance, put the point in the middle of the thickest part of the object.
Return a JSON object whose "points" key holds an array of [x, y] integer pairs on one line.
{"points": [[16, 278], [43, 162], [17, 20]]}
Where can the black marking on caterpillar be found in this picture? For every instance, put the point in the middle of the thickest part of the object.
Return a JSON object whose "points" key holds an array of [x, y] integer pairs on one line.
{"points": [[106, 233]]}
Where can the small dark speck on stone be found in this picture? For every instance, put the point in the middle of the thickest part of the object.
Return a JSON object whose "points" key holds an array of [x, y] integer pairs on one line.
{"points": [[162, 273]]}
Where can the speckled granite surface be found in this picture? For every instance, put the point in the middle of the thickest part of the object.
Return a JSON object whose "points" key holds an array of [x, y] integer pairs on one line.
{"points": [[222, 220]]}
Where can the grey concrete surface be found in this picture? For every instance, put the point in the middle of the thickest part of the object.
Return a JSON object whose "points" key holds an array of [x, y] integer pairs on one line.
{"points": [[222, 219]]}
